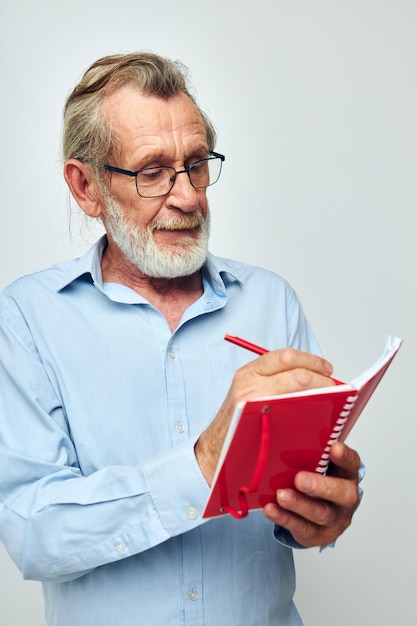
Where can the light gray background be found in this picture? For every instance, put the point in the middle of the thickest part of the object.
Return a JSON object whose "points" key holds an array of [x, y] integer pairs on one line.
{"points": [[315, 103]]}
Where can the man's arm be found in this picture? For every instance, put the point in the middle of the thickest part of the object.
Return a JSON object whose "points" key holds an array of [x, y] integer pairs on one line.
{"points": [[57, 521]]}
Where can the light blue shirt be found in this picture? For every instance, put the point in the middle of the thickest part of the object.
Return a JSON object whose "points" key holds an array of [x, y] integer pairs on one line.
{"points": [[100, 407]]}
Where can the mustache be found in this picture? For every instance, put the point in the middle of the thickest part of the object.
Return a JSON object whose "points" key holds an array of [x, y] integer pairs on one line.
{"points": [[188, 221]]}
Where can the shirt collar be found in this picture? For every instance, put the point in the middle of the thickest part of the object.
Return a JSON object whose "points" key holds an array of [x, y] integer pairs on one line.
{"points": [[218, 272], [89, 264]]}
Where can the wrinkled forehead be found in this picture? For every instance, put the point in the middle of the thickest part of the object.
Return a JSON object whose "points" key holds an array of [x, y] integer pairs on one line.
{"points": [[142, 122]]}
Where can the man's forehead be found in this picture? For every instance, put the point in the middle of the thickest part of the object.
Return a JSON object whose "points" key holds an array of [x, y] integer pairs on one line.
{"points": [[149, 128], [128, 107]]}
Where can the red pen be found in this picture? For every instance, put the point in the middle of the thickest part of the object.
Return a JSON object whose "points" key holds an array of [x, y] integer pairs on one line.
{"points": [[245, 344], [259, 350]]}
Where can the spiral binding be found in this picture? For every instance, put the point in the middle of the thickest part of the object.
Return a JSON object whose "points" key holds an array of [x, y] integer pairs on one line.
{"points": [[323, 464]]}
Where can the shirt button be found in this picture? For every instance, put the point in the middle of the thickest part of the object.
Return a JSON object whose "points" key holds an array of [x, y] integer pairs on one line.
{"points": [[193, 594], [120, 546], [179, 427], [192, 512], [172, 354]]}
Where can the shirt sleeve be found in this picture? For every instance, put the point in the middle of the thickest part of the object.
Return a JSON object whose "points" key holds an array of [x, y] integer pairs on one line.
{"points": [[56, 523]]}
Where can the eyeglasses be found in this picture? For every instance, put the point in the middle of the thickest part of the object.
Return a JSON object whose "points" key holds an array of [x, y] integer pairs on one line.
{"points": [[154, 182]]}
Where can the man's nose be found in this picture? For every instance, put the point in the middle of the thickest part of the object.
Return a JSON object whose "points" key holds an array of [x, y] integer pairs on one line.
{"points": [[183, 194]]}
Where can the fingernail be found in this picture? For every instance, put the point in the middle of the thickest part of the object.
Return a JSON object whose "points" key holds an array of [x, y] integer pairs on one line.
{"points": [[329, 368], [282, 496]]}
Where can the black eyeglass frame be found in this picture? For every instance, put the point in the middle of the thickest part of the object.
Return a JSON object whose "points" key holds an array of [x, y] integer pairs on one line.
{"points": [[213, 155]]}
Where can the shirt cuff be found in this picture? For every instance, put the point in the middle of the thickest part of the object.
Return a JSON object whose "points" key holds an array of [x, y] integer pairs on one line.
{"points": [[177, 488]]}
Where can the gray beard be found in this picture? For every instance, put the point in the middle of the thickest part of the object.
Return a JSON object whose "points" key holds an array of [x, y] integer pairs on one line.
{"points": [[138, 245]]}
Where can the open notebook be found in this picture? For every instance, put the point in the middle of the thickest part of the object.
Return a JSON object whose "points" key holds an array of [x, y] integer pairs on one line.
{"points": [[271, 439]]}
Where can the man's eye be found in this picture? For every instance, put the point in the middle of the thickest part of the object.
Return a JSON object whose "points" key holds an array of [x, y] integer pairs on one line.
{"points": [[199, 169], [151, 174]]}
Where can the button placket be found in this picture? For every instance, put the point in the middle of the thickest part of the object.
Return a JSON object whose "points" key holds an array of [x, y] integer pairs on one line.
{"points": [[176, 399]]}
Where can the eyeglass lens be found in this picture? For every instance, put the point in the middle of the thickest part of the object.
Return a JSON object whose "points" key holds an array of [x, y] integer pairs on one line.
{"points": [[158, 181]]}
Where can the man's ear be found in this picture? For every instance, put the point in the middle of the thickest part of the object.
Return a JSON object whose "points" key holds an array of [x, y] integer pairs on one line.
{"points": [[83, 187]]}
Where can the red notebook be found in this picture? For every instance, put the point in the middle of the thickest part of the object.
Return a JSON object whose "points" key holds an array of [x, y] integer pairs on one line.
{"points": [[271, 439]]}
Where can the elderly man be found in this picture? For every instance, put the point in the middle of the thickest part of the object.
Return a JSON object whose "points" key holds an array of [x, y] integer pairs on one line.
{"points": [[117, 387]]}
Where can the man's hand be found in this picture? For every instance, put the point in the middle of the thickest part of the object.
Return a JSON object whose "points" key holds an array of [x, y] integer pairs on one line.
{"points": [[320, 509], [277, 372]]}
